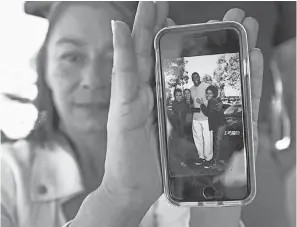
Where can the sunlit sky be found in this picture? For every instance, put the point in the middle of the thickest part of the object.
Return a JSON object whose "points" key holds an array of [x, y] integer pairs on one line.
{"points": [[24, 35], [206, 65], [202, 65], [21, 37]]}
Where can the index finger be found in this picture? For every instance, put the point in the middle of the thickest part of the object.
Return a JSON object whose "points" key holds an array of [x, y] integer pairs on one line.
{"points": [[251, 26], [162, 12], [142, 35], [124, 78], [149, 18]]}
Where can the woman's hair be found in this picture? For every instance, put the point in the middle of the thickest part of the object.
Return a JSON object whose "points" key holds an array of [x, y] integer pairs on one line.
{"points": [[206, 78], [176, 90], [46, 126], [214, 90]]}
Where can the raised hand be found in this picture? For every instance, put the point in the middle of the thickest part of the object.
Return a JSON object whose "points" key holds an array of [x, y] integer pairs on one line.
{"points": [[132, 164]]}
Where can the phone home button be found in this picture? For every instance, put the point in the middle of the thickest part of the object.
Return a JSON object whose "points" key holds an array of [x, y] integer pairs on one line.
{"points": [[208, 192]]}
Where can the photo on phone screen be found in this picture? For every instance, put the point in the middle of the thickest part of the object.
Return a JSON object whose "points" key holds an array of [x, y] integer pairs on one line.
{"points": [[202, 84]]}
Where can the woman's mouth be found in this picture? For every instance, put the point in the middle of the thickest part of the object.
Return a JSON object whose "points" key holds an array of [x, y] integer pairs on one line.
{"points": [[99, 105]]}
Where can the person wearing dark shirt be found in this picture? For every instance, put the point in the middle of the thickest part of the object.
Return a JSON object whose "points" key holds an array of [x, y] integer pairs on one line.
{"points": [[189, 116], [216, 119], [179, 109]]}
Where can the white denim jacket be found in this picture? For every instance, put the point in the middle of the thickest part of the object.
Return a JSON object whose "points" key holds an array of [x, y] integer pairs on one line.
{"points": [[35, 183]]}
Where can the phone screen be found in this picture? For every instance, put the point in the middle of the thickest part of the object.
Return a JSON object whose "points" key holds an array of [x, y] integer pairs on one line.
{"points": [[202, 85]]}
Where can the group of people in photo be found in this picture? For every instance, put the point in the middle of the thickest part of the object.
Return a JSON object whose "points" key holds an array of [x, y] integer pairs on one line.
{"points": [[198, 116]]}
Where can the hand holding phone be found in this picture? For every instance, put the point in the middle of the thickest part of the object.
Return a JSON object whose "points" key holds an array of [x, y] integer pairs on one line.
{"points": [[190, 53]]}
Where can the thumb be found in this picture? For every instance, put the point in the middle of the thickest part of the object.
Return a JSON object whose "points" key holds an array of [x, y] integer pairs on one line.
{"points": [[235, 175]]}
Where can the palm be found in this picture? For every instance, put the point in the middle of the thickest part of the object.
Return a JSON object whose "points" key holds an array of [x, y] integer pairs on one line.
{"points": [[138, 143], [132, 156]]}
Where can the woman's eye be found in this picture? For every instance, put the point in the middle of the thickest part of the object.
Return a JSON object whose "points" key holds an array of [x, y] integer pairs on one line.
{"points": [[72, 58]]}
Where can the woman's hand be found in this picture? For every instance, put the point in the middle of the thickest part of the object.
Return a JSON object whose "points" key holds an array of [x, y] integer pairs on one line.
{"points": [[132, 165], [199, 101], [132, 179], [132, 169], [235, 175]]}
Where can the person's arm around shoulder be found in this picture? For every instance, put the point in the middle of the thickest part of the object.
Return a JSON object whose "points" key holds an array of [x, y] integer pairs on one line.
{"points": [[205, 85], [204, 109]]}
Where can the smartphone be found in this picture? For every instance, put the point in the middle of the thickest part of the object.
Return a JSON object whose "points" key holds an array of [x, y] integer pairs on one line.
{"points": [[205, 114]]}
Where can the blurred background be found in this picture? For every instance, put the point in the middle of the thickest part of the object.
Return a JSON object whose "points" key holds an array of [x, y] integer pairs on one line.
{"points": [[24, 34], [19, 45]]}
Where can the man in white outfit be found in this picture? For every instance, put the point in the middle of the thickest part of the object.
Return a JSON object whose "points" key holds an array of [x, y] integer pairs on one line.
{"points": [[201, 134]]}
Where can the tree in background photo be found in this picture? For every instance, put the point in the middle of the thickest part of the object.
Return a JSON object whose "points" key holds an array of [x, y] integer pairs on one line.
{"points": [[227, 72], [175, 74]]}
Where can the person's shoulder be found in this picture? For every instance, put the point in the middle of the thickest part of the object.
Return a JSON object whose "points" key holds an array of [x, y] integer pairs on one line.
{"points": [[19, 151], [212, 102], [216, 100], [206, 85], [15, 157], [32, 159], [23, 153], [185, 104], [193, 91]]}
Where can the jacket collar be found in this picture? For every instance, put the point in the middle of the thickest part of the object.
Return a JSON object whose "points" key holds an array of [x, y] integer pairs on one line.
{"points": [[55, 175]]}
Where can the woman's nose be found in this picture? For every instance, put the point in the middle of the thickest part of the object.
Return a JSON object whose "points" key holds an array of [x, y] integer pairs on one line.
{"points": [[96, 76]]}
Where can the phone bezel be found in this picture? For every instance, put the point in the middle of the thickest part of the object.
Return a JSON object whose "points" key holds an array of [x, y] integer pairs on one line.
{"points": [[247, 111]]}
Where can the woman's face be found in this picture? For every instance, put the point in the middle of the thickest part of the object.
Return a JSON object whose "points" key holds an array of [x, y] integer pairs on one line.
{"points": [[187, 94], [209, 94], [178, 96], [208, 79], [79, 65]]}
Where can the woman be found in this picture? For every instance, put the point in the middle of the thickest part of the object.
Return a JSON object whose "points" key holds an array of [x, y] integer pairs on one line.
{"points": [[207, 79], [216, 120], [189, 116], [99, 140], [179, 109], [188, 98]]}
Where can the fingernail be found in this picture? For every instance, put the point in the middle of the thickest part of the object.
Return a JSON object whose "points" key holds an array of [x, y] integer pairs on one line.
{"points": [[255, 48], [121, 33], [169, 22]]}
